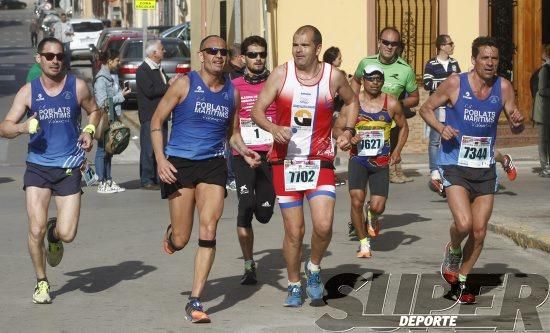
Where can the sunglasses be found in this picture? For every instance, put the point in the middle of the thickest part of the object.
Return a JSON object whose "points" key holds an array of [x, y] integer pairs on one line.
{"points": [[451, 43], [49, 56], [254, 55], [388, 43], [215, 50], [373, 78]]}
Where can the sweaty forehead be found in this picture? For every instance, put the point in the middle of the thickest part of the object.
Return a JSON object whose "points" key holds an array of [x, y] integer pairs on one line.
{"points": [[215, 42], [488, 50], [390, 35], [303, 37]]}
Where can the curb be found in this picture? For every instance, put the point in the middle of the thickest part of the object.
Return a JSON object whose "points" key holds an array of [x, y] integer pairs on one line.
{"points": [[524, 238]]}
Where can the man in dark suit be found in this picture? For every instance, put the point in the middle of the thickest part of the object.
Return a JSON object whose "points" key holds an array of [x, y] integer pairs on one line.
{"points": [[152, 83]]}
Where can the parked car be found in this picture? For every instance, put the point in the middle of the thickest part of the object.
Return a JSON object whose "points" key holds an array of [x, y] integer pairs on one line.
{"points": [[86, 32], [110, 38], [181, 31], [176, 60], [12, 4]]}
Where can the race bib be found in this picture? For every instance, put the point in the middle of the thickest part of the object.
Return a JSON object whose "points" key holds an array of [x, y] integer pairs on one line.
{"points": [[475, 152], [371, 142], [254, 135], [301, 175]]}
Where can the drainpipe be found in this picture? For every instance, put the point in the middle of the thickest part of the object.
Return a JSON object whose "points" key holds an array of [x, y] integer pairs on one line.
{"points": [[238, 27]]}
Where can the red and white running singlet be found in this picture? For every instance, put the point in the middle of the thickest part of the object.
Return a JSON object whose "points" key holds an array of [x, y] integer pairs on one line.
{"points": [[307, 110]]}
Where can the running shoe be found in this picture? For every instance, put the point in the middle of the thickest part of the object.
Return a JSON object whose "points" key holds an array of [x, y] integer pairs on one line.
{"points": [[104, 188], [54, 251], [314, 287], [373, 224], [294, 297], [42, 293], [351, 230], [450, 265], [364, 251], [115, 187], [509, 167], [436, 185], [249, 276], [195, 313], [462, 293]]}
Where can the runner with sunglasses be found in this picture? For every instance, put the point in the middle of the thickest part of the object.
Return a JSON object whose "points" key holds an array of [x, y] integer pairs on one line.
{"points": [[57, 147], [254, 187], [370, 156], [192, 168], [399, 78]]}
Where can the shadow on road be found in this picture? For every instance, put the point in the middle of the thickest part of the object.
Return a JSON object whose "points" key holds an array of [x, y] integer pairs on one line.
{"points": [[4, 180], [391, 240], [271, 269], [11, 23], [97, 279]]}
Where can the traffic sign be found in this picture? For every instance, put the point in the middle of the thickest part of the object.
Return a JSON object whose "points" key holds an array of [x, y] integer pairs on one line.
{"points": [[145, 4]]}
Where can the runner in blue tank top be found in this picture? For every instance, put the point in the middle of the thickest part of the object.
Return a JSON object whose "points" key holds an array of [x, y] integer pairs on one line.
{"points": [[193, 170], [466, 157], [56, 152]]}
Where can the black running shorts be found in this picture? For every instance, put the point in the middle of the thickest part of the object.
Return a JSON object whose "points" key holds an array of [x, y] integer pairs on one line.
{"points": [[191, 173], [377, 178], [478, 181], [61, 181]]}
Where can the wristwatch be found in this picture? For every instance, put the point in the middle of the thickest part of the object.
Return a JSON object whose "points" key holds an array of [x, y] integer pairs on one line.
{"points": [[351, 130]]}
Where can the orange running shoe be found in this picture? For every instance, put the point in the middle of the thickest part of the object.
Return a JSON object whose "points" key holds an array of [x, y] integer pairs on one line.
{"points": [[509, 167], [195, 313]]}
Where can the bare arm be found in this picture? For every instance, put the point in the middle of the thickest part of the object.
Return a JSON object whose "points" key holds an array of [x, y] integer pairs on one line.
{"points": [[175, 94], [10, 126], [447, 91], [401, 121], [87, 101], [355, 85], [236, 140], [411, 100], [268, 94], [514, 116], [349, 112]]}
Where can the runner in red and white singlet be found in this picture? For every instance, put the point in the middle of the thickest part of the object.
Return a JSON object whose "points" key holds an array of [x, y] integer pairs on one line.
{"points": [[302, 154]]}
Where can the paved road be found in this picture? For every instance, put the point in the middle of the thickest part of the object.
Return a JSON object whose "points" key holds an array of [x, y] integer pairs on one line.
{"points": [[115, 278]]}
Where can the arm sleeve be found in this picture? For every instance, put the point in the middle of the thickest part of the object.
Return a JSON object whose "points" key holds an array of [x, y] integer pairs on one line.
{"points": [[100, 90], [146, 85], [428, 78]]}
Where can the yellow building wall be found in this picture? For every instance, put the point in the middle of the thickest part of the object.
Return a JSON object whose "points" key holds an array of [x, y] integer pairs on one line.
{"points": [[463, 27], [342, 23]]}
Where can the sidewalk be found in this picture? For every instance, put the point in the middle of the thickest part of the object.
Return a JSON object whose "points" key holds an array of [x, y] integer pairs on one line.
{"points": [[528, 227]]}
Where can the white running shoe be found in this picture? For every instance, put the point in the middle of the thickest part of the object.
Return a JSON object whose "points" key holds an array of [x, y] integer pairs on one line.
{"points": [[114, 186], [104, 188]]}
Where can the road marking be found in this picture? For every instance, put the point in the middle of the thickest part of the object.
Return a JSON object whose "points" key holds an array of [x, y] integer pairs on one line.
{"points": [[7, 77]]}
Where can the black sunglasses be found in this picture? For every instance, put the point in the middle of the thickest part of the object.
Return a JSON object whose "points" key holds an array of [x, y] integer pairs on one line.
{"points": [[215, 50], [49, 56], [254, 55], [373, 78], [388, 43]]}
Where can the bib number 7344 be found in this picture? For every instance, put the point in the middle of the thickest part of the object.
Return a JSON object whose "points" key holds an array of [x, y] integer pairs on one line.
{"points": [[475, 152]]}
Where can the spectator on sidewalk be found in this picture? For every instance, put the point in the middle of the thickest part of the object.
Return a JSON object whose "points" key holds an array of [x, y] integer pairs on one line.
{"points": [[108, 93], [541, 113], [34, 29], [63, 31], [152, 83]]}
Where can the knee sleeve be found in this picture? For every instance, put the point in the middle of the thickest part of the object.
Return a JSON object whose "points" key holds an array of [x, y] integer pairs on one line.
{"points": [[207, 243]]}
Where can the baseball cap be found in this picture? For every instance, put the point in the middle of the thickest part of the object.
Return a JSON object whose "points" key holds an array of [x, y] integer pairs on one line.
{"points": [[372, 69]]}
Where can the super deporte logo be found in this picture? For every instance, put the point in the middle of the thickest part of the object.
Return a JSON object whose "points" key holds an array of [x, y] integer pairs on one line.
{"points": [[386, 302]]}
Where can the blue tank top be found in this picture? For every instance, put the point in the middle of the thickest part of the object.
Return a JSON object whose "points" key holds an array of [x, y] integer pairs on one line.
{"points": [[201, 121], [476, 121], [56, 143]]}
